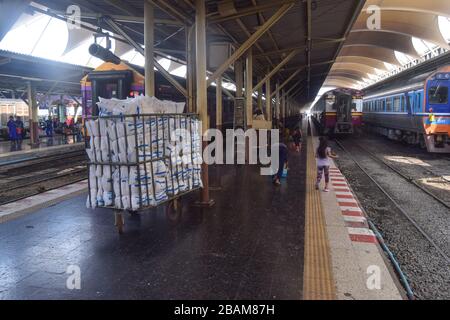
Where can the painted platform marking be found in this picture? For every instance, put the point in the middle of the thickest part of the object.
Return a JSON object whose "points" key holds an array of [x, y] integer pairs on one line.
{"points": [[356, 223]]}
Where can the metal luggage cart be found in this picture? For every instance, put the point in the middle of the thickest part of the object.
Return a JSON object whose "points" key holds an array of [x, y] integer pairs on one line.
{"points": [[142, 135]]}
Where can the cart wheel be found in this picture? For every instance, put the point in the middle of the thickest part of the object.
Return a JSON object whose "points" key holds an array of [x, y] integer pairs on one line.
{"points": [[132, 212], [174, 210], [119, 221]]}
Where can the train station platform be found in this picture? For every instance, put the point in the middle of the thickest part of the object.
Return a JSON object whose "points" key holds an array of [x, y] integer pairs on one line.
{"points": [[58, 143], [259, 241]]}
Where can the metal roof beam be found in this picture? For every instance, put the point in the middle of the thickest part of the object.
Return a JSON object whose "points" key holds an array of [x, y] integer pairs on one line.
{"points": [[312, 65], [263, 20], [125, 7], [217, 18], [250, 41], [286, 82], [172, 11], [314, 45], [139, 48], [278, 67], [244, 28]]}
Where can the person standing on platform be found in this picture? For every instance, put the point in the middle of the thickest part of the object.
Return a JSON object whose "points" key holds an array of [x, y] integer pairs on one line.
{"points": [[12, 131], [323, 155], [297, 137], [283, 153], [49, 127], [20, 129]]}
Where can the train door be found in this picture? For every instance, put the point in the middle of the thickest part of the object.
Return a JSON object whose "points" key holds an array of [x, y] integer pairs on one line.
{"points": [[109, 84], [343, 114]]}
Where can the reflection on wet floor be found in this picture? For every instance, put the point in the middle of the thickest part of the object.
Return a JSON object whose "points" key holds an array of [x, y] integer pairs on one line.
{"points": [[248, 246]]}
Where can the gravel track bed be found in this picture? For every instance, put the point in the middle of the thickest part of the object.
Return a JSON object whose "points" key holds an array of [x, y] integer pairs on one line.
{"points": [[427, 271]]}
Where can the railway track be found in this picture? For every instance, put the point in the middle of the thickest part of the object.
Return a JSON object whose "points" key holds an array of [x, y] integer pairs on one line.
{"points": [[9, 165], [425, 234], [409, 179], [417, 235], [23, 179]]}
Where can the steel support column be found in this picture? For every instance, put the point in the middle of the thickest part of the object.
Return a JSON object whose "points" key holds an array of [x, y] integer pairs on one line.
{"points": [[201, 87], [33, 112], [190, 69], [287, 81], [239, 77], [219, 98], [149, 46], [248, 87], [268, 101], [259, 103], [277, 102]]}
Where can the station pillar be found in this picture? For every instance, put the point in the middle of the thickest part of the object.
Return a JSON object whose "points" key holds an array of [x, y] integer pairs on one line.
{"points": [[268, 101], [201, 90], [277, 102], [33, 112], [149, 49], [219, 105], [249, 87], [239, 77], [260, 107]]}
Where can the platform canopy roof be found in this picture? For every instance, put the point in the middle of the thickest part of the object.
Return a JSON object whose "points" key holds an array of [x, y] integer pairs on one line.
{"points": [[48, 76], [304, 63], [389, 36]]}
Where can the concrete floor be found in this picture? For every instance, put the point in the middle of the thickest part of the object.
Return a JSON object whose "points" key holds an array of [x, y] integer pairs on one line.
{"points": [[248, 246]]}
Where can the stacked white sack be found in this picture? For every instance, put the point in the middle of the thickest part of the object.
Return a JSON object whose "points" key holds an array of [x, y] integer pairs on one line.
{"points": [[129, 139]]}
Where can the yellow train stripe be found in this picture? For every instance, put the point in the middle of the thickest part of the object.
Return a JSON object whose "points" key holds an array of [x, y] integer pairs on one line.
{"points": [[318, 283]]}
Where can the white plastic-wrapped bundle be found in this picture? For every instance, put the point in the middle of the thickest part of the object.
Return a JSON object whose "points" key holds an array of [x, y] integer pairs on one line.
{"points": [[128, 135]]}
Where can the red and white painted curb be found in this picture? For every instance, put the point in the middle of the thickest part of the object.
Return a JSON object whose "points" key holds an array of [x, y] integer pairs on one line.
{"points": [[355, 221]]}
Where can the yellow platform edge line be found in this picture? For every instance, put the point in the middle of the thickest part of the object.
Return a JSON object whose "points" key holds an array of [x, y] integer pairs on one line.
{"points": [[318, 282]]}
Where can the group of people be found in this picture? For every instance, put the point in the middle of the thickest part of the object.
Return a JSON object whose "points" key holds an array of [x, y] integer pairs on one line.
{"points": [[323, 154], [295, 138], [16, 131]]}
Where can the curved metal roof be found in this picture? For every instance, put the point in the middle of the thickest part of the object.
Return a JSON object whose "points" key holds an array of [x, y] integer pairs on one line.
{"points": [[367, 48], [326, 23]]}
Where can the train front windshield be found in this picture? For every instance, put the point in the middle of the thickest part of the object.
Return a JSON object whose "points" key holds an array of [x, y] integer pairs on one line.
{"points": [[437, 96]]}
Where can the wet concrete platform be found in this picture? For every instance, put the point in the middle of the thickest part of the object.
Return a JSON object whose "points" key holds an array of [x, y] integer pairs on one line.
{"points": [[45, 142], [248, 246]]}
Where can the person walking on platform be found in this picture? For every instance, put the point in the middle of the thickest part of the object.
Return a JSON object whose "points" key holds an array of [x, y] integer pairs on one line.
{"points": [[323, 155], [297, 137], [12, 131], [20, 129], [283, 153]]}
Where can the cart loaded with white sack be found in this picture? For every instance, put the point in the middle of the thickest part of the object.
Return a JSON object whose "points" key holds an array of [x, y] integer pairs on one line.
{"points": [[143, 153]]}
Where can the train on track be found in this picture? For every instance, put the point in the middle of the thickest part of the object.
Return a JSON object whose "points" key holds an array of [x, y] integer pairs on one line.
{"points": [[338, 111], [416, 111], [123, 80]]}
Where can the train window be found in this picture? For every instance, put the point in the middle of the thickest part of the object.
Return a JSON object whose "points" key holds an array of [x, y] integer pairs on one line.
{"points": [[438, 95], [383, 105], [397, 104], [389, 105], [419, 102]]}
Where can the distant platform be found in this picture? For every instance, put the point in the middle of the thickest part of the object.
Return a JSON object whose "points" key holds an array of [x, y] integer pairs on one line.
{"points": [[10, 153]]}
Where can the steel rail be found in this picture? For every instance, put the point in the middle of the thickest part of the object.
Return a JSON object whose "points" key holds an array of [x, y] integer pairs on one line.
{"points": [[404, 176], [54, 175], [47, 189], [414, 223], [39, 160]]}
